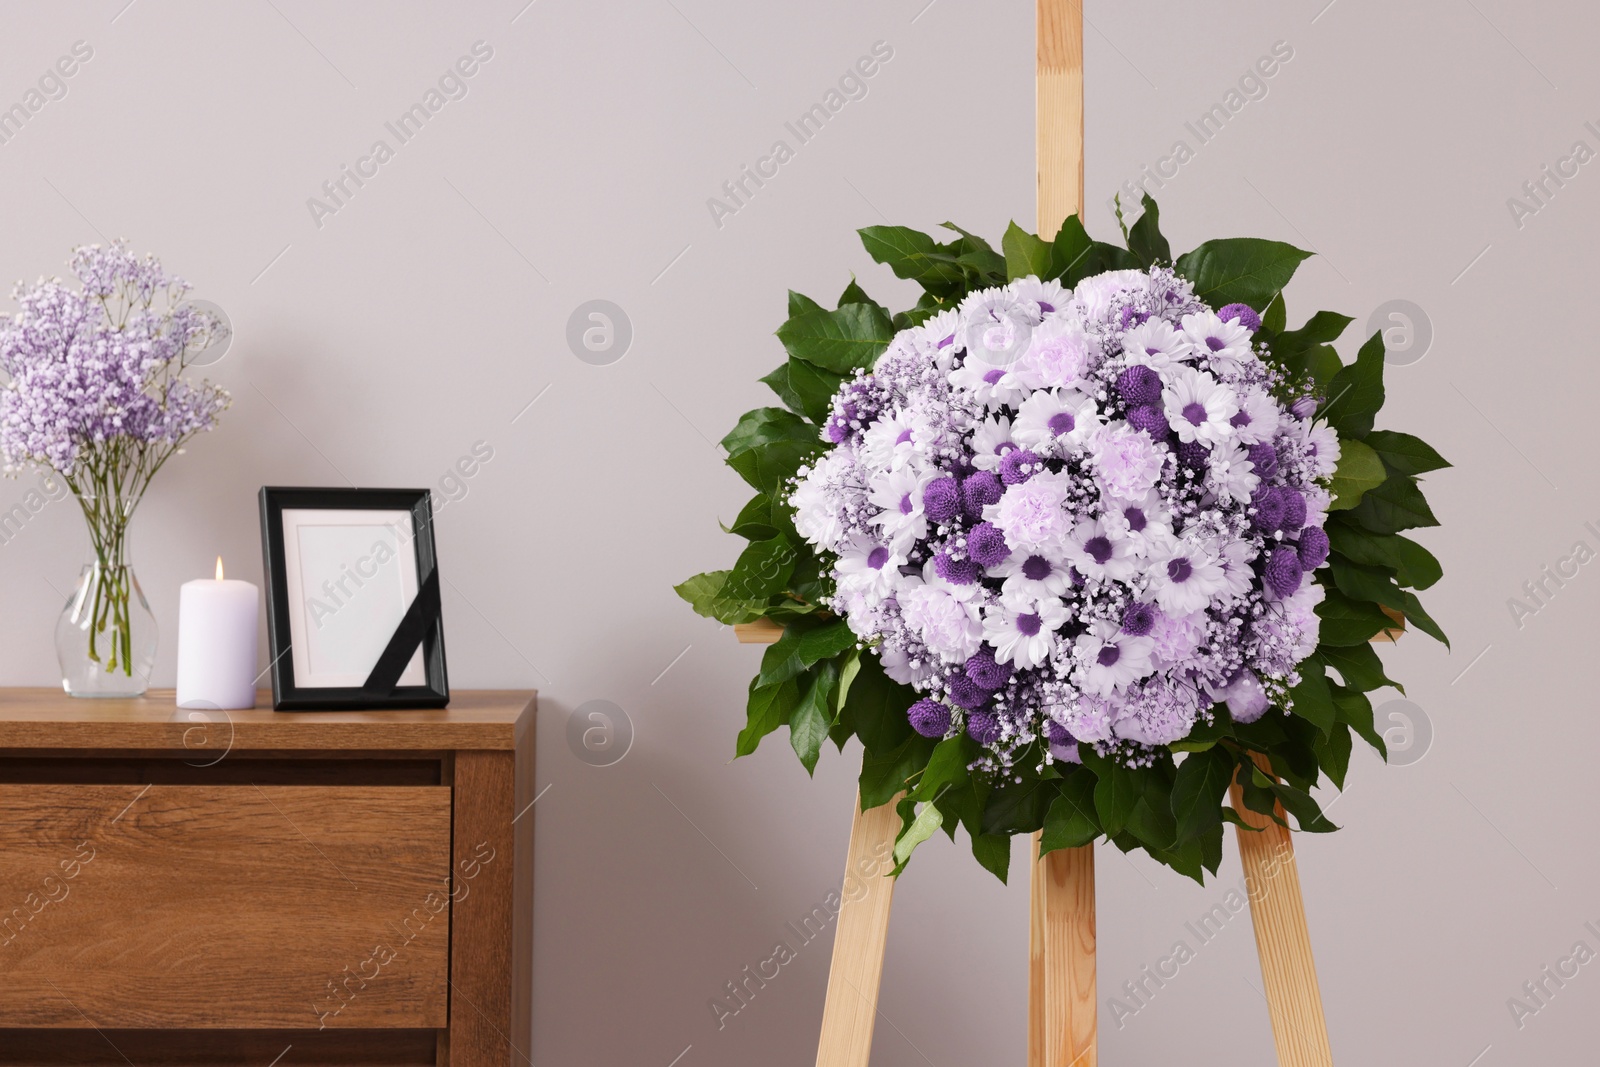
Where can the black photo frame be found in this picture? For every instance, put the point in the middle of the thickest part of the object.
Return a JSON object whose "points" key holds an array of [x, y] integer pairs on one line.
{"points": [[370, 635]]}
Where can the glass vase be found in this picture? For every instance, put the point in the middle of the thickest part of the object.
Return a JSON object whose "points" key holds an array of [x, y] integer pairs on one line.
{"points": [[106, 636]]}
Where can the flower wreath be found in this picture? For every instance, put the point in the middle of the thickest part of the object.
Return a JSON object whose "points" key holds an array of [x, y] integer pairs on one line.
{"points": [[1077, 542]]}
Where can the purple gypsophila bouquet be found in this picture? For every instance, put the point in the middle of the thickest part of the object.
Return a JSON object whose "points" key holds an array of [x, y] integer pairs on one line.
{"points": [[1083, 531], [96, 393]]}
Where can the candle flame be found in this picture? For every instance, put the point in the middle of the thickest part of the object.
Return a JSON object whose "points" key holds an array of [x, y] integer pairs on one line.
{"points": [[219, 568]]}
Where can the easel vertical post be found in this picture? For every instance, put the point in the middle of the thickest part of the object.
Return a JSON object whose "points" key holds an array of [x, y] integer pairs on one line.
{"points": [[1061, 951], [1283, 941], [859, 939]]}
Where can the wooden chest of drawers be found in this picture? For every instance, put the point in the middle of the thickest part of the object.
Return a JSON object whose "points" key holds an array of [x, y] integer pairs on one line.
{"points": [[350, 887]]}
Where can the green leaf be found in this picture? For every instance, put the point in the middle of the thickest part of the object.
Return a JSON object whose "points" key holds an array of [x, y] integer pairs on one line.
{"points": [[1240, 270], [877, 706], [809, 722], [1144, 237], [1333, 753], [1115, 795], [768, 709], [813, 388], [926, 824], [1016, 807], [1307, 814], [778, 382], [994, 852], [854, 294], [754, 521], [1025, 253], [1197, 791], [1312, 700], [1413, 565], [704, 594], [762, 571], [1349, 622], [1355, 711], [1359, 469], [1205, 735], [1415, 616], [800, 647], [1360, 582], [947, 767], [768, 446], [1276, 315], [1071, 822], [799, 302], [1320, 329], [882, 776], [1359, 666], [914, 255], [1405, 454], [842, 340], [1397, 504], [1356, 393], [1077, 255]]}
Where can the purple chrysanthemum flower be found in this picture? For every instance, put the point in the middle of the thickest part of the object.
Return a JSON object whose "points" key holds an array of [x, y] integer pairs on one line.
{"points": [[1139, 385], [929, 718], [1151, 419], [1283, 572], [1269, 506], [983, 727], [942, 500], [987, 545], [1264, 458], [1313, 547], [1244, 313], [966, 693], [955, 571], [1018, 466], [1138, 619], [1193, 453], [980, 489], [984, 670], [1294, 509]]}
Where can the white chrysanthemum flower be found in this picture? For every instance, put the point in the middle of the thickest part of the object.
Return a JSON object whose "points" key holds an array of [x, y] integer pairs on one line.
{"points": [[1198, 406], [1093, 295], [818, 514], [992, 385], [1023, 632], [1047, 297], [1226, 345], [898, 496], [868, 568], [1231, 475], [1157, 343], [991, 441], [1032, 576], [1234, 558], [1146, 523], [1110, 660], [1321, 444], [888, 443], [1186, 580], [1258, 417], [1099, 551], [1053, 422]]}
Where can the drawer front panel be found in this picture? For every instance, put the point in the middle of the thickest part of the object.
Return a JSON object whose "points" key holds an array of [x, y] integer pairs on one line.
{"points": [[226, 906]]}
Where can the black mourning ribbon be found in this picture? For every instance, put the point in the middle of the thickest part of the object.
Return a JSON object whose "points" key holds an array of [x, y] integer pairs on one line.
{"points": [[420, 617]]}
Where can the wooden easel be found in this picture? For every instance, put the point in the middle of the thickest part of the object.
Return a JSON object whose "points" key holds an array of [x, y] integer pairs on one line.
{"points": [[1061, 950]]}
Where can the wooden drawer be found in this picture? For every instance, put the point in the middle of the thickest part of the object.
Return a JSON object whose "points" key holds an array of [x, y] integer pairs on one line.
{"points": [[224, 906]]}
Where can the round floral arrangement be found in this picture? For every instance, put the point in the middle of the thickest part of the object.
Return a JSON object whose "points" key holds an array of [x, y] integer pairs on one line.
{"points": [[1080, 541]]}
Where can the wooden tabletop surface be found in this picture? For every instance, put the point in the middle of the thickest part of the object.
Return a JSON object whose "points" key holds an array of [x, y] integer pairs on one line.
{"points": [[49, 719]]}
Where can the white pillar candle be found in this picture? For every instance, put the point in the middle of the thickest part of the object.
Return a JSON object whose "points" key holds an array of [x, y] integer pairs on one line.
{"points": [[217, 642]]}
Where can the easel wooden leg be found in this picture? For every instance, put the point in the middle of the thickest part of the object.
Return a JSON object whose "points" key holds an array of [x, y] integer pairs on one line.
{"points": [[1278, 912], [1061, 960], [1061, 971], [859, 940]]}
